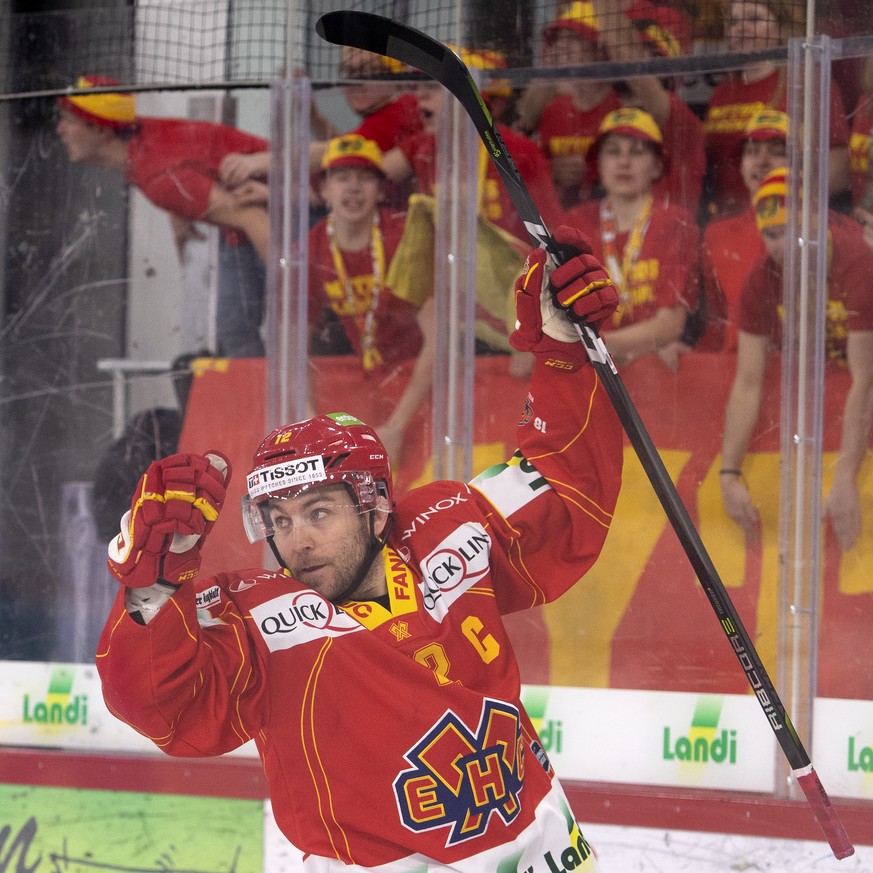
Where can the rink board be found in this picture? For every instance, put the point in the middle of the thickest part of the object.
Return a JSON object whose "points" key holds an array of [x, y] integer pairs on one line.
{"points": [[674, 739]]}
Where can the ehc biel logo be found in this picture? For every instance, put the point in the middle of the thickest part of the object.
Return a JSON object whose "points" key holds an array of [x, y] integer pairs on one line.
{"points": [[459, 778]]}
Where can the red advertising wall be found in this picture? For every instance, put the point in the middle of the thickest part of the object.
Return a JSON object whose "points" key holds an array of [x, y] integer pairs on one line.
{"points": [[639, 619]]}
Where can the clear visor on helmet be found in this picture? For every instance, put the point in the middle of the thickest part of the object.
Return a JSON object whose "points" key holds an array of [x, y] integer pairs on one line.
{"points": [[257, 518]]}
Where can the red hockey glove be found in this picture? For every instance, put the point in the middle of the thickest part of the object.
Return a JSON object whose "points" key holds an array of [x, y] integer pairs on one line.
{"points": [[579, 290], [175, 506], [580, 286]]}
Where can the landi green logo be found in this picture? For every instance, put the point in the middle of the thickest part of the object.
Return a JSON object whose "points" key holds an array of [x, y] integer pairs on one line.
{"points": [[551, 731], [59, 707], [703, 742], [860, 758]]}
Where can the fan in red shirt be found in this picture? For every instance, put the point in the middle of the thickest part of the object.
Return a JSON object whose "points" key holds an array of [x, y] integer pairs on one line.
{"points": [[350, 251], [389, 114], [756, 26], [182, 166], [649, 247], [731, 245], [569, 121], [416, 157], [848, 341]]}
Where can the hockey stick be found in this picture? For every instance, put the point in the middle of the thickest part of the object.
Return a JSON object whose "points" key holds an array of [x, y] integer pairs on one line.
{"points": [[384, 36]]}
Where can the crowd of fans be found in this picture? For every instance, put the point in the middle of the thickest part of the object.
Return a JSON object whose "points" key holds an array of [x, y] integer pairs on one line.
{"points": [[669, 196]]}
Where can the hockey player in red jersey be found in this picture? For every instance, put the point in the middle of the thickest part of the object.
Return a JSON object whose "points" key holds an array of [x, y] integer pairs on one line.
{"points": [[373, 670]]}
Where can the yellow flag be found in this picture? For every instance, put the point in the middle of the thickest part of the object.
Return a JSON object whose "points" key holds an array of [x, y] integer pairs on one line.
{"points": [[499, 259]]}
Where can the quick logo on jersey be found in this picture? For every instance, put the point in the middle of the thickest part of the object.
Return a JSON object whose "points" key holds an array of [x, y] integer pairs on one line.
{"points": [[460, 778], [300, 471], [453, 567], [421, 519], [300, 617]]}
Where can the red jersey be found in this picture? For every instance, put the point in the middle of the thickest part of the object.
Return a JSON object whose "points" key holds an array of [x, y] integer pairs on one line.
{"points": [[685, 157], [174, 161], [849, 292], [389, 124], [662, 273], [730, 248], [396, 736], [395, 331], [495, 202], [731, 107], [565, 130], [859, 147]]}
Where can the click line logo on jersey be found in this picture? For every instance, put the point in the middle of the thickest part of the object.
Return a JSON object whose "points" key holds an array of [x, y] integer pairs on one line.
{"points": [[461, 777], [703, 743], [454, 566]]}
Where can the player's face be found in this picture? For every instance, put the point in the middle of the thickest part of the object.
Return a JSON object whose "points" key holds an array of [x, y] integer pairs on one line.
{"points": [[322, 537], [80, 139], [774, 242], [352, 193], [759, 158], [628, 167], [751, 27]]}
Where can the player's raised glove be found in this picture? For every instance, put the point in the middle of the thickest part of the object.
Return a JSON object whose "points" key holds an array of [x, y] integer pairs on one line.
{"points": [[580, 286], [173, 509], [546, 301]]}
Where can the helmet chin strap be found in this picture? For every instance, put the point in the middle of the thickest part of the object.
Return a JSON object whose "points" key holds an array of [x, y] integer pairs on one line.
{"points": [[375, 547]]}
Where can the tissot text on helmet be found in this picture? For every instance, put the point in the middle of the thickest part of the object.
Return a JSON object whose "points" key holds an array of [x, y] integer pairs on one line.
{"points": [[299, 471]]}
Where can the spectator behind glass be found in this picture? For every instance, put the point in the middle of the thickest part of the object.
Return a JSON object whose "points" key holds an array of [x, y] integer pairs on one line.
{"points": [[416, 156], [349, 254], [389, 114], [849, 342], [567, 115], [649, 247], [755, 27], [862, 124], [731, 245], [638, 29], [177, 164], [569, 120]]}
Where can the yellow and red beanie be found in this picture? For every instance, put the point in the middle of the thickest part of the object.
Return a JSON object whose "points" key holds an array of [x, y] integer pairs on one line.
{"points": [[667, 30], [767, 124], [579, 18], [627, 121], [352, 150], [770, 199], [104, 108]]}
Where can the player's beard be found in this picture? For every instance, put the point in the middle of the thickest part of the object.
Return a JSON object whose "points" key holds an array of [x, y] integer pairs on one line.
{"points": [[337, 577]]}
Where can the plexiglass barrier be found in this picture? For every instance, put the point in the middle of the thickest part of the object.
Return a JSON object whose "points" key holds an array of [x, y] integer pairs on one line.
{"points": [[744, 340]]}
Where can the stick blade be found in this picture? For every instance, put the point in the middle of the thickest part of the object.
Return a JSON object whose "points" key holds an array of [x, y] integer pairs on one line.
{"points": [[384, 36]]}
